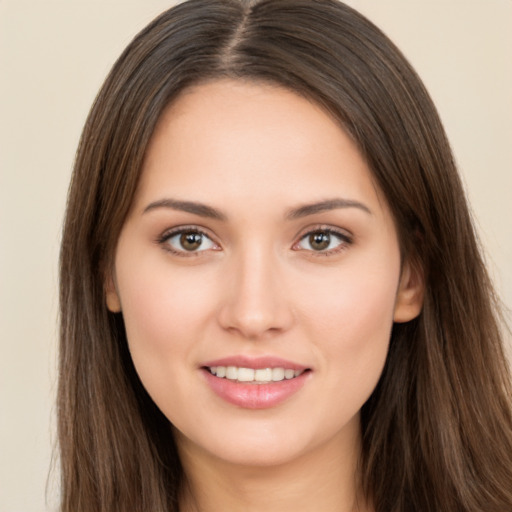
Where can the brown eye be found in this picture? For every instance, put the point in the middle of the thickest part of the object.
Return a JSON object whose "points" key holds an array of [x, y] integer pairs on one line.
{"points": [[320, 240], [191, 241], [188, 241], [325, 241]]}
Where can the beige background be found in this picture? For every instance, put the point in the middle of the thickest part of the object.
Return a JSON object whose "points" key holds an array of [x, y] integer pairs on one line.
{"points": [[53, 58]]}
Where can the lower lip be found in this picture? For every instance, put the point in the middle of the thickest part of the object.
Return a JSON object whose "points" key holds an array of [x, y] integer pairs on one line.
{"points": [[255, 396]]}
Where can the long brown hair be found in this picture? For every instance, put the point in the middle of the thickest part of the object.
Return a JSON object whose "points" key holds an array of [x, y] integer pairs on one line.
{"points": [[437, 431]]}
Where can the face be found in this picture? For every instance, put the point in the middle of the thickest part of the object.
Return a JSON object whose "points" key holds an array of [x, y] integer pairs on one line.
{"points": [[259, 275]]}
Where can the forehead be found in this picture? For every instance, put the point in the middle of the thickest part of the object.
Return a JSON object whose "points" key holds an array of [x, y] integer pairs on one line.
{"points": [[233, 139]]}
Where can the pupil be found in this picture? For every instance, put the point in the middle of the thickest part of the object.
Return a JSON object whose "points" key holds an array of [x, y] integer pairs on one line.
{"points": [[191, 241], [319, 241]]}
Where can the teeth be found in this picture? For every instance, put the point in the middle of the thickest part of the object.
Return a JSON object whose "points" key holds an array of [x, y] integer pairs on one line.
{"points": [[246, 374], [258, 376], [263, 375], [232, 373], [289, 374], [278, 374]]}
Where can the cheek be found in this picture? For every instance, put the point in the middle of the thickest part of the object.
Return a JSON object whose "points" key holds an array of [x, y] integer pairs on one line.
{"points": [[165, 317], [165, 313], [350, 320], [354, 298]]}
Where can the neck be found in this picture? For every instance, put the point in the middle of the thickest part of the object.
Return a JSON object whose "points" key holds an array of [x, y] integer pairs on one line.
{"points": [[325, 479]]}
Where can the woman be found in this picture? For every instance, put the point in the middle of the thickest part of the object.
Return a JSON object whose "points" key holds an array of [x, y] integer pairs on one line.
{"points": [[272, 296]]}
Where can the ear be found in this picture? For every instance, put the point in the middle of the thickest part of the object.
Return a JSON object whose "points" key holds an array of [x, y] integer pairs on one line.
{"points": [[411, 289], [111, 295]]}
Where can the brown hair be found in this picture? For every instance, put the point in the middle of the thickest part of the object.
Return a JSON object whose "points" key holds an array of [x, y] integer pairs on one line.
{"points": [[437, 431]]}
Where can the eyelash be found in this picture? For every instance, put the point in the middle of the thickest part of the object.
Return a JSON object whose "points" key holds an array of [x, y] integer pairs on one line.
{"points": [[345, 240], [163, 240]]}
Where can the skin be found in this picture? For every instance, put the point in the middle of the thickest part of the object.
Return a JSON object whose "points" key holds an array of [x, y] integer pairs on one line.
{"points": [[257, 286]]}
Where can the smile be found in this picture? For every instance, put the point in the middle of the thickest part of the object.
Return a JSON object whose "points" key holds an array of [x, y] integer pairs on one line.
{"points": [[252, 375]]}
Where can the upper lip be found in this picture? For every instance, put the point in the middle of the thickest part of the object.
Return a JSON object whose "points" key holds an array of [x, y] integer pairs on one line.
{"points": [[256, 363]]}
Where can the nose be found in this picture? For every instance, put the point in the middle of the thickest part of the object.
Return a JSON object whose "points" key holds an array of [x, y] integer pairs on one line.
{"points": [[255, 301]]}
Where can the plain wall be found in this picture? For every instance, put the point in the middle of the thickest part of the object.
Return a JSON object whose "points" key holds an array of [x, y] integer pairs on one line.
{"points": [[54, 56]]}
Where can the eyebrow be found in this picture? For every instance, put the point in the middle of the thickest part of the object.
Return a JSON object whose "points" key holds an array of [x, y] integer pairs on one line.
{"points": [[203, 210], [322, 206], [200, 209]]}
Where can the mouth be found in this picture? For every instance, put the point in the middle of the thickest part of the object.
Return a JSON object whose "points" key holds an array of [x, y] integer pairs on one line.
{"points": [[259, 382], [254, 375], [261, 385]]}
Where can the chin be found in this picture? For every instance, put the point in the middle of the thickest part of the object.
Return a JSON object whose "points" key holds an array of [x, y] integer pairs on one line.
{"points": [[266, 444]]}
